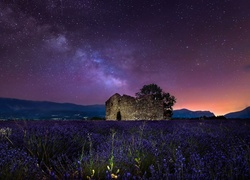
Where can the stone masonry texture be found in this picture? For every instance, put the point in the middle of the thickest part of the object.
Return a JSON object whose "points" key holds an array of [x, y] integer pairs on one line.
{"points": [[129, 108]]}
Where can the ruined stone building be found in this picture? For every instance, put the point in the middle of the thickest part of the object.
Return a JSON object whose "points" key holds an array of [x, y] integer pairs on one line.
{"points": [[129, 108]]}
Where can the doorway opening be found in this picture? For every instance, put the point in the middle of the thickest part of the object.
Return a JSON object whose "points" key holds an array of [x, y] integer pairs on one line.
{"points": [[118, 116]]}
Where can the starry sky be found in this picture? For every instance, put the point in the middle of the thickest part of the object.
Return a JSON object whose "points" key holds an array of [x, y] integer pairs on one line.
{"points": [[84, 51]]}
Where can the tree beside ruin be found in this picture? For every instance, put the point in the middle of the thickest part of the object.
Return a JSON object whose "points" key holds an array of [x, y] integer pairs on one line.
{"points": [[159, 94]]}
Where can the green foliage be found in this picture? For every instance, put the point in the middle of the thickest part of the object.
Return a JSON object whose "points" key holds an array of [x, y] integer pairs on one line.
{"points": [[151, 89], [156, 91]]}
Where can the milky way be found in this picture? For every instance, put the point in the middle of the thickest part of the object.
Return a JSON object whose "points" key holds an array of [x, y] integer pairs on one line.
{"points": [[82, 51]]}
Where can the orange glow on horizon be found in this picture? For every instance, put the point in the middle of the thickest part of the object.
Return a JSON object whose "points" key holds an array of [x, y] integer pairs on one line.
{"points": [[219, 108], [219, 101]]}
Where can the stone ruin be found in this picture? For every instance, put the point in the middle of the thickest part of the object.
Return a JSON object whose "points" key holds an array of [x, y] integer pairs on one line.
{"points": [[129, 108]]}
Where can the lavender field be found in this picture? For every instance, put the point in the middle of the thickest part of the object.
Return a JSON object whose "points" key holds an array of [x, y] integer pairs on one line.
{"points": [[177, 149]]}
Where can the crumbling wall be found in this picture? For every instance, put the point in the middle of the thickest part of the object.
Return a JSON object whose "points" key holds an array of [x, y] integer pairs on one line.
{"points": [[149, 108], [129, 108], [113, 107]]}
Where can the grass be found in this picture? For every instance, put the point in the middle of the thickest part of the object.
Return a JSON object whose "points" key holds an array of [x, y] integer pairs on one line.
{"points": [[178, 149]]}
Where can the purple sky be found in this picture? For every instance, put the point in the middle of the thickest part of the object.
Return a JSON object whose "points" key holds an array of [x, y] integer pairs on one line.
{"points": [[84, 51]]}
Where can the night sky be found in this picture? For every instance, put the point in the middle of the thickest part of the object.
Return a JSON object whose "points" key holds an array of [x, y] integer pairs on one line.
{"points": [[84, 51]]}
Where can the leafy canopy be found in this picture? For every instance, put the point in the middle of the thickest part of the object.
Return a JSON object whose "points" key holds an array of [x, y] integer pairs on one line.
{"points": [[156, 91]]}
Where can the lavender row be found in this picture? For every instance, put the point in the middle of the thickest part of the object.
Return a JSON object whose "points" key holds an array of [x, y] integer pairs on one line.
{"points": [[178, 149]]}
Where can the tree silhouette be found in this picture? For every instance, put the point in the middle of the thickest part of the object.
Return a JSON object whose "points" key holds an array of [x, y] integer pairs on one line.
{"points": [[156, 91]]}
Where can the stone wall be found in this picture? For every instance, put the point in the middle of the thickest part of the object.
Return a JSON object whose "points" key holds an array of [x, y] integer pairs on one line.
{"points": [[129, 108], [113, 107]]}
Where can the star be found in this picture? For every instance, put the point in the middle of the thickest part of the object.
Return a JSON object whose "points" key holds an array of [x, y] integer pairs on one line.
{"points": [[85, 51]]}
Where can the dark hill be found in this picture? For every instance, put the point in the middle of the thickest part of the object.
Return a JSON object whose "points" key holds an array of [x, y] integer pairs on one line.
{"points": [[24, 109], [187, 114], [243, 114]]}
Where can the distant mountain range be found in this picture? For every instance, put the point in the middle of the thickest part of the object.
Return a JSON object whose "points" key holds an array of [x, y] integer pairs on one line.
{"points": [[185, 113], [25, 109], [244, 114]]}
